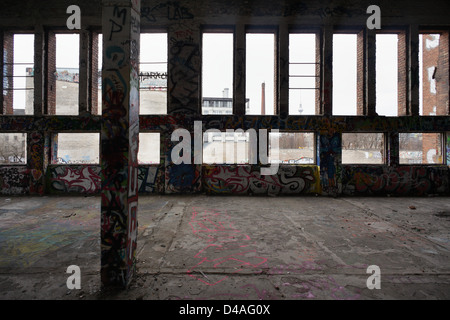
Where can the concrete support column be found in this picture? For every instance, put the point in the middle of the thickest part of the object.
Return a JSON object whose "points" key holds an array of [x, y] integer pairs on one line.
{"points": [[39, 49], [327, 70], [393, 150], [50, 92], [2, 74], [413, 70], [7, 70], [366, 73], [37, 154], [119, 141], [330, 162], [239, 71], [371, 72], [84, 73], [283, 69], [184, 69]]}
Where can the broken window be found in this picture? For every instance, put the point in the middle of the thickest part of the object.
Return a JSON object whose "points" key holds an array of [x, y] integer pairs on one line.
{"points": [[153, 73], [76, 148], [387, 74], [303, 74], [363, 148], [13, 148], [217, 73], [433, 74], [67, 73], [226, 147], [344, 74], [420, 148], [294, 147], [149, 148], [260, 73]]}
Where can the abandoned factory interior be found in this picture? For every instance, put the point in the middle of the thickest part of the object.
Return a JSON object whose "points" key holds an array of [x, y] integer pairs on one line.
{"points": [[224, 150]]}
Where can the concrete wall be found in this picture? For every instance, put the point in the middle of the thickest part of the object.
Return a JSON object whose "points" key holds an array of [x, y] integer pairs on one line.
{"points": [[184, 20]]}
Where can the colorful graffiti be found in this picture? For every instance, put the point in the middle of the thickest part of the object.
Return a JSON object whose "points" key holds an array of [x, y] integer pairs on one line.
{"points": [[80, 179], [14, 180], [403, 180], [330, 158], [151, 179], [183, 178], [119, 145], [248, 180]]}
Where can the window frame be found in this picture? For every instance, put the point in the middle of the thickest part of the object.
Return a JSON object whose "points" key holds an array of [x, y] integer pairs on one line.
{"points": [[385, 148], [441, 142]]}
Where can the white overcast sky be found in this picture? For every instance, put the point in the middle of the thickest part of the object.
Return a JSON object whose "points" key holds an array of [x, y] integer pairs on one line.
{"points": [[217, 66]]}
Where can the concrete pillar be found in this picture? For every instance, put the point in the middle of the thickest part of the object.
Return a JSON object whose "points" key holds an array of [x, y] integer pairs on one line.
{"points": [[185, 65], [327, 70], [413, 68], [8, 60], [84, 72], [119, 141], [366, 73], [39, 49], [239, 71], [371, 72], [330, 161], [283, 69], [36, 161], [393, 152], [50, 96], [2, 74]]}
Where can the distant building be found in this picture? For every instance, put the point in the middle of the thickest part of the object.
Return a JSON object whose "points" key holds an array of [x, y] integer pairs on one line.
{"points": [[217, 106]]}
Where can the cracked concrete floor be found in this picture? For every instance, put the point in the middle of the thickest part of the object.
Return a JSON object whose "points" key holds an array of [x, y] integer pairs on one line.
{"points": [[199, 247]]}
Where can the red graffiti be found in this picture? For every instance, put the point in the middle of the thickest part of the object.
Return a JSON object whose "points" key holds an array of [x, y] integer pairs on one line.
{"points": [[226, 246]]}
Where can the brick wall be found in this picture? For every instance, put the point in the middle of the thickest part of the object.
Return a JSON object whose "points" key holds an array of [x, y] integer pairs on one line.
{"points": [[402, 75], [360, 74], [94, 74], [434, 87], [442, 76]]}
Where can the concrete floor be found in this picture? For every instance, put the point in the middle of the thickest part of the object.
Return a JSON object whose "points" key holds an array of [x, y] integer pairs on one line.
{"points": [[206, 247]]}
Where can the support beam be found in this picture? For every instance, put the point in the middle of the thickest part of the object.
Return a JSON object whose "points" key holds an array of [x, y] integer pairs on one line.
{"points": [[239, 71], [7, 69], [327, 70], [366, 72], [413, 68], [283, 69], [39, 49], [84, 73], [119, 141]]}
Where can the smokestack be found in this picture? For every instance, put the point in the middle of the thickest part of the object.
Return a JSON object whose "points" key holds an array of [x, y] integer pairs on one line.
{"points": [[263, 98], [225, 92]]}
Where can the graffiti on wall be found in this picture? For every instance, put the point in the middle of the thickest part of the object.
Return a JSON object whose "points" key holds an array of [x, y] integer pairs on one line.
{"points": [[184, 69], [14, 180], [403, 180], [183, 178], [151, 179], [329, 161], [79, 179], [248, 180], [119, 145]]}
